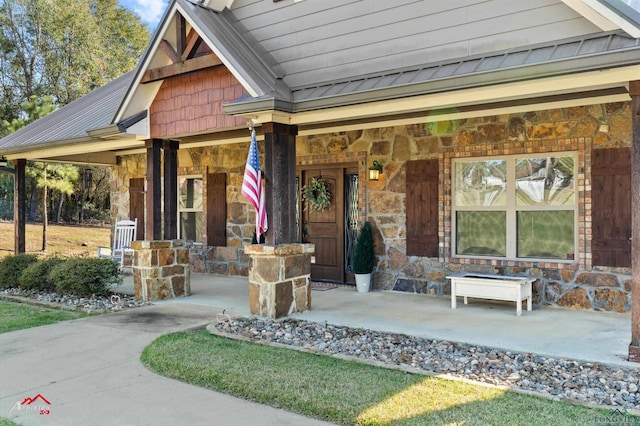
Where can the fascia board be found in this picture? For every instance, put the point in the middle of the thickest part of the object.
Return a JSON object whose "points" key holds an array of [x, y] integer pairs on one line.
{"points": [[251, 86], [605, 12], [591, 15], [69, 147]]}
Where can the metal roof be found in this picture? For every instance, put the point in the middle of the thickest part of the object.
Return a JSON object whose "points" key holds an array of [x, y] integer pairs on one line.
{"points": [[593, 52], [74, 120]]}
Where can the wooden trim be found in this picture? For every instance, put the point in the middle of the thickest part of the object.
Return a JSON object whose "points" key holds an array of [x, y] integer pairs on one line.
{"points": [[195, 64], [181, 33], [216, 209], [19, 206], [193, 42], [154, 190], [170, 51], [634, 88], [170, 190], [136, 204], [422, 207]]}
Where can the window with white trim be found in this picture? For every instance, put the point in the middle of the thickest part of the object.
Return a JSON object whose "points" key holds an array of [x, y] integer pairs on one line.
{"points": [[515, 207], [190, 208]]}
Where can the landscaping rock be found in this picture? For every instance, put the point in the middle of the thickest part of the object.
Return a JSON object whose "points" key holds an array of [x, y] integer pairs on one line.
{"points": [[584, 382]]}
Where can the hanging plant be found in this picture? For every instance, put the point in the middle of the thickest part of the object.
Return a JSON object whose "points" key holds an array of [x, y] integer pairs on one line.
{"points": [[316, 194]]}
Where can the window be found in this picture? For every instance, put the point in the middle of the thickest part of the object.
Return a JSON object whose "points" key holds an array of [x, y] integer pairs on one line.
{"points": [[190, 212], [515, 207]]}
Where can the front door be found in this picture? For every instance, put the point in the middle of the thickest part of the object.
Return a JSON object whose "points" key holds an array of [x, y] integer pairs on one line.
{"points": [[325, 229]]}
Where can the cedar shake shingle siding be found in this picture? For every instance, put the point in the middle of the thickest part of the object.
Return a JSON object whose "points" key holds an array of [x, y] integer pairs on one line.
{"points": [[193, 103]]}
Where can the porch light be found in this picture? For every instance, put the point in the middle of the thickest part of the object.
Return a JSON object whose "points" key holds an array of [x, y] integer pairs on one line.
{"points": [[375, 170], [3, 161]]}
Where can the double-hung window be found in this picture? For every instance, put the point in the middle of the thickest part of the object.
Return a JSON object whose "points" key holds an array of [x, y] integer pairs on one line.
{"points": [[190, 208], [515, 207]]}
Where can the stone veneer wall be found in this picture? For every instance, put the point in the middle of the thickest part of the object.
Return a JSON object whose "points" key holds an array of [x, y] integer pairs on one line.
{"points": [[582, 128]]}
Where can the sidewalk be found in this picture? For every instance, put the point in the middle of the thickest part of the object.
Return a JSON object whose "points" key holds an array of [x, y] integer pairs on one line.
{"points": [[90, 372]]}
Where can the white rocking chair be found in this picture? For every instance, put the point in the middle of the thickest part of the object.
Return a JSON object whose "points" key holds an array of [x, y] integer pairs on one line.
{"points": [[123, 233]]}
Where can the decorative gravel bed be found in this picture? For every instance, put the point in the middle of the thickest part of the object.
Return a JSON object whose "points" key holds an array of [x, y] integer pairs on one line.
{"points": [[562, 379], [86, 304]]}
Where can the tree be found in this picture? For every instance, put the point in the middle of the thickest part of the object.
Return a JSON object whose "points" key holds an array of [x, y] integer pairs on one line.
{"points": [[32, 110], [62, 49]]}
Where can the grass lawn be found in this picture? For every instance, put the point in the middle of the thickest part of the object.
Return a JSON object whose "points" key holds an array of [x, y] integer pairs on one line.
{"points": [[16, 316], [346, 392], [7, 422], [61, 239]]}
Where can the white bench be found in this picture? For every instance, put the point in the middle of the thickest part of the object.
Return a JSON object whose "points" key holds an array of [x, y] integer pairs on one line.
{"points": [[513, 289]]}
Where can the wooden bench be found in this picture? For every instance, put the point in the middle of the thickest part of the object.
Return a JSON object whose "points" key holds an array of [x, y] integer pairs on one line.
{"points": [[513, 289]]}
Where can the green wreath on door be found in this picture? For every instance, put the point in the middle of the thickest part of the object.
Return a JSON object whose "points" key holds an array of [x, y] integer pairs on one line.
{"points": [[316, 194]]}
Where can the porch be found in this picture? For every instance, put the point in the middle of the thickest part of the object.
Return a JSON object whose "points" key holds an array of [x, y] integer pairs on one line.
{"points": [[561, 333]]}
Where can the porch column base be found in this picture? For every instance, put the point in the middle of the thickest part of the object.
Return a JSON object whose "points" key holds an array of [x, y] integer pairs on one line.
{"points": [[160, 270], [279, 279], [634, 353]]}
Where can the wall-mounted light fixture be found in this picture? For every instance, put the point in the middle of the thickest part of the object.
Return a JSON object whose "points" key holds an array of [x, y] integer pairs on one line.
{"points": [[3, 161], [375, 170]]}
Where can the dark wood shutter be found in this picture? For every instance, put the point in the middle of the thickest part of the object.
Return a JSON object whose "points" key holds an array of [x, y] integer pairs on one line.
{"points": [[611, 207], [422, 208], [136, 204], [216, 209]]}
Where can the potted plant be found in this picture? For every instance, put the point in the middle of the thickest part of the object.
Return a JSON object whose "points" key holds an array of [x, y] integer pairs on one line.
{"points": [[363, 258]]}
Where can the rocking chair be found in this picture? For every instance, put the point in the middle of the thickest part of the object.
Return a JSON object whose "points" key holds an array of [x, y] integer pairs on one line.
{"points": [[124, 232]]}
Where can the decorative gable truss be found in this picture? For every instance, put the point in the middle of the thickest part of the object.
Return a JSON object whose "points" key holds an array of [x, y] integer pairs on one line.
{"points": [[190, 54]]}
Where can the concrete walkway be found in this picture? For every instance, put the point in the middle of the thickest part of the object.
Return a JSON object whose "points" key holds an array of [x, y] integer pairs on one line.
{"points": [[90, 371], [583, 335]]}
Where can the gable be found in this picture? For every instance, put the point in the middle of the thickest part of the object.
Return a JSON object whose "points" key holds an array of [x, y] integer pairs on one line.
{"points": [[190, 38], [192, 103]]}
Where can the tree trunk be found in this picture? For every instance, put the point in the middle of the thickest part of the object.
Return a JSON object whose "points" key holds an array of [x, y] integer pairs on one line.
{"points": [[60, 208], [33, 207]]}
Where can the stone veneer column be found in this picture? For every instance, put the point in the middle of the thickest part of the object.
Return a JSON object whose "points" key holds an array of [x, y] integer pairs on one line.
{"points": [[161, 270], [279, 279]]}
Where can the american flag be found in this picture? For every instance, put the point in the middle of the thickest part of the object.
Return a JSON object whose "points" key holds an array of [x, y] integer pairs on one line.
{"points": [[252, 187]]}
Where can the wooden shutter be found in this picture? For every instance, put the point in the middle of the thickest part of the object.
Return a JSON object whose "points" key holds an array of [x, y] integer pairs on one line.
{"points": [[216, 209], [611, 204], [136, 204], [422, 208]]}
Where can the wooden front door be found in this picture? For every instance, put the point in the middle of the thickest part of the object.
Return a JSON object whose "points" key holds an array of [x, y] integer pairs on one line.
{"points": [[326, 229]]}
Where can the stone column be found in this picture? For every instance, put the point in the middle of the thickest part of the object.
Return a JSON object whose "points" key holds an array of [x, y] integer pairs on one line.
{"points": [[279, 279], [160, 270]]}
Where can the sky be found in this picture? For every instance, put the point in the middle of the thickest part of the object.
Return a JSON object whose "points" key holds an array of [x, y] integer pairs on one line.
{"points": [[149, 10]]}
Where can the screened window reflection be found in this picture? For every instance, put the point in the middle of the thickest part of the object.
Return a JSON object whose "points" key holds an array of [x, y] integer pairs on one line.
{"points": [[480, 183], [547, 181]]}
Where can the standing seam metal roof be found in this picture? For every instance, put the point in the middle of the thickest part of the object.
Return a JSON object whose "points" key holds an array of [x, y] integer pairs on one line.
{"points": [[583, 47], [92, 111]]}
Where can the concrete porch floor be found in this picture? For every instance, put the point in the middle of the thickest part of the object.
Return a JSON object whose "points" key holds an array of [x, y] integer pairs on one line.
{"points": [[559, 333]]}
